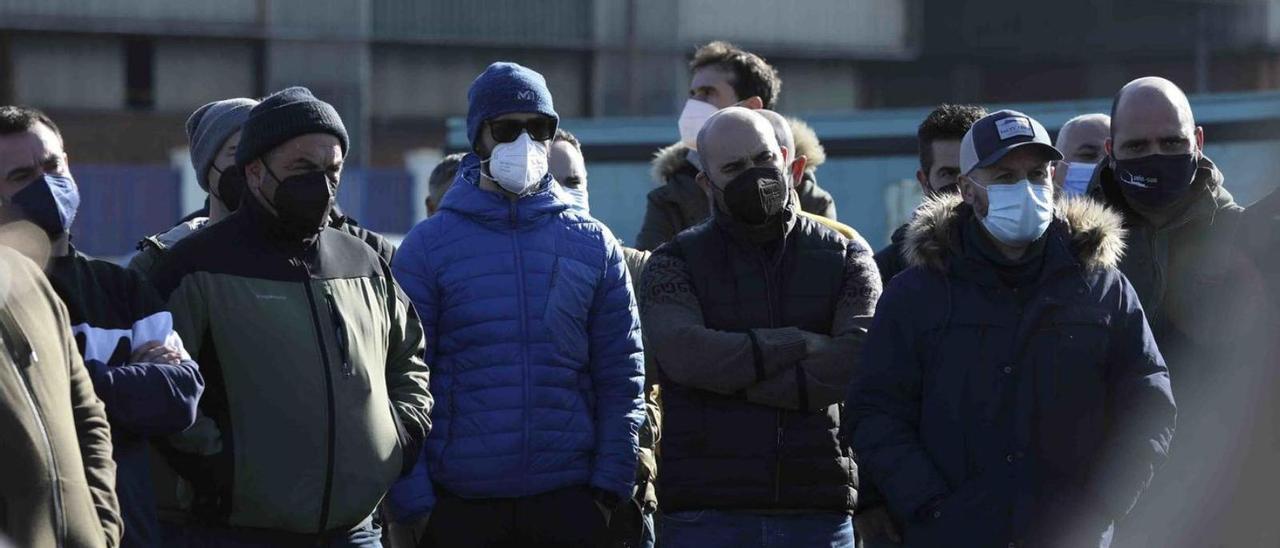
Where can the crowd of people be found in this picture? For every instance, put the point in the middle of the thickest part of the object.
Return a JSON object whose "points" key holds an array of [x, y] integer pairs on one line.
{"points": [[751, 373]]}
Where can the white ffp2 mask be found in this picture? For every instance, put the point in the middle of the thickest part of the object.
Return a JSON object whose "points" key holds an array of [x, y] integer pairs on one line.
{"points": [[1019, 213], [519, 165], [692, 118]]}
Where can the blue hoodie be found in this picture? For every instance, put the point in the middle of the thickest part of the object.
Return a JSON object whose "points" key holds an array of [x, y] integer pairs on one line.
{"points": [[534, 342]]}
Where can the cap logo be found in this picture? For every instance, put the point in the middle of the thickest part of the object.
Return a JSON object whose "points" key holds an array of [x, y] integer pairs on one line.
{"points": [[1014, 126], [525, 95]]}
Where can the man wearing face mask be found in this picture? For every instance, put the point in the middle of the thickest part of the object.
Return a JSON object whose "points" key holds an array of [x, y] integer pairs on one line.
{"points": [[1082, 141], [756, 316], [213, 132], [1203, 294], [317, 395], [567, 167], [139, 368], [534, 336], [938, 138], [1011, 392], [721, 75]]}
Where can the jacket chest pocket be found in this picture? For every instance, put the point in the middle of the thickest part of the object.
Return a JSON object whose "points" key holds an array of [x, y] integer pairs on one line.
{"points": [[569, 299], [1079, 336]]}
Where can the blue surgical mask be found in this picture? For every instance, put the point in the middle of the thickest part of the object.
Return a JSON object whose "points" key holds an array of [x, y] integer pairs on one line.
{"points": [[1076, 183], [1019, 213], [50, 202]]}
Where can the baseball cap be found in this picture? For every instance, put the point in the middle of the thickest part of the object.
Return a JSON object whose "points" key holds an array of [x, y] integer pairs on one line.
{"points": [[993, 136]]}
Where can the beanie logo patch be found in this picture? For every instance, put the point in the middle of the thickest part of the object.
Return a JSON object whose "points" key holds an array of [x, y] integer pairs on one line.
{"points": [[526, 95]]}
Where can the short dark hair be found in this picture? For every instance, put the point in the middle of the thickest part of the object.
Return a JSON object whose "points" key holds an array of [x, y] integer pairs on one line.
{"points": [[945, 123], [17, 119], [564, 135], [752, 76], [442, 176]]}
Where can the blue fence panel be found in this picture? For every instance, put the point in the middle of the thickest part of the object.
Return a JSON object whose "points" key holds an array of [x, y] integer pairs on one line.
{"points": [[379, 198], [121, 204]]}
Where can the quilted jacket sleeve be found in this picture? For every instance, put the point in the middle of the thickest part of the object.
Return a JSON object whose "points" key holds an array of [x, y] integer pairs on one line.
{"points": [[617, 376]]}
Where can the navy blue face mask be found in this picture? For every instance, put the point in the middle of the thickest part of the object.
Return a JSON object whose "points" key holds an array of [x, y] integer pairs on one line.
{"points": [[1156, 180], [50, 202]]}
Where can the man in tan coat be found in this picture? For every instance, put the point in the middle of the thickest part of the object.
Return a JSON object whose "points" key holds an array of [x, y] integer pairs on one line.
{"points": [[57, 481]]}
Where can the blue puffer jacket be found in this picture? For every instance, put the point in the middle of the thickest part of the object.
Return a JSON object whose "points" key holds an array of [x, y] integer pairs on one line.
{"points": [[534, 342], [996, 417]]}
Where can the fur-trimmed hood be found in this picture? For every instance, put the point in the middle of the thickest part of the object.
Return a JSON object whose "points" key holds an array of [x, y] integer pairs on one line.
{"points": [[1095, 232], [670, 159]]}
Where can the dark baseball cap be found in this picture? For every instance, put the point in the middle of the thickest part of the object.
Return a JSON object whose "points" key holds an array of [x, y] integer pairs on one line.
{"points": [[993, 136]]}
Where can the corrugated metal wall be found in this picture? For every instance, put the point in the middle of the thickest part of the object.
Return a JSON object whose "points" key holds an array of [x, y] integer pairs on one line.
{"points": [[220, 11], [493, 22]]}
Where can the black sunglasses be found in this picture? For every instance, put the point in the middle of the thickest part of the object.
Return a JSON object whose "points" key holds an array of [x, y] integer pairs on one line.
{"points": [[542, 128]]}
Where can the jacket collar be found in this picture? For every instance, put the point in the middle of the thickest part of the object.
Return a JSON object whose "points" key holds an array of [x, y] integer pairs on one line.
{"points": [[1083, 233], [495, 210]]}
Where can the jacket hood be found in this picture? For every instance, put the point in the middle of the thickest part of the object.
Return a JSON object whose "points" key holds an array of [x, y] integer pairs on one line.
{"points": [[1095, 233], [807, 143], [669, 160], [495, 210]]}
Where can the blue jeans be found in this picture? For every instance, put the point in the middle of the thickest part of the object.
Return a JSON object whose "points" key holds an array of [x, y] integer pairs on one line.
{"points": [[366, 535], [707, 528]]}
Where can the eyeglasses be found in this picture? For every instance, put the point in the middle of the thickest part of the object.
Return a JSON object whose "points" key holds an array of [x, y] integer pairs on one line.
{"points": [[542, 128]]}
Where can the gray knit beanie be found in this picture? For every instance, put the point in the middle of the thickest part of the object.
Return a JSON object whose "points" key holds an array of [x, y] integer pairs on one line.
{"points": [[209, 127]]}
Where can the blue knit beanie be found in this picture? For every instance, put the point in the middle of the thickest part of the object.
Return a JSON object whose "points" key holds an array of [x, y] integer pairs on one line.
{"points": [[284, 115], [208, 129], [504, 88]]}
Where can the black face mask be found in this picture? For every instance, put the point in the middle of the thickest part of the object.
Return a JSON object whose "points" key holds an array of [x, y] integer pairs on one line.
{"points": [[757, 195], [1157, 180], [231, 187], [303, 202]]}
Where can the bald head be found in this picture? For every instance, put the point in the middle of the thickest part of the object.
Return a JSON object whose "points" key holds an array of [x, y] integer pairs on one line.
{"points": [[1083, 138], [1151, 115], [734, 140], [781, 129]]}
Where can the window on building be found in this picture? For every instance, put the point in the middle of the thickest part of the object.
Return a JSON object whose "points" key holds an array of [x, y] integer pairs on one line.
{"points": [[139, 73]]}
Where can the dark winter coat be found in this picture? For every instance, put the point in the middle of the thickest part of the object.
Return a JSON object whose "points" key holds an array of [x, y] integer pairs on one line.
{"points": [[990, 416]]}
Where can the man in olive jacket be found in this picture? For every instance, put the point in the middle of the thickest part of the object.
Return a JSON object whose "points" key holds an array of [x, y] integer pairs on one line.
{"points": [[317, 395], [57, 485]]}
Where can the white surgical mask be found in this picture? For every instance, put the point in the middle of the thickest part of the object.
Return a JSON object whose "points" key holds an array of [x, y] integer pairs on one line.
{"points": [[1077, 180], [1019, 213], [519, 165], [578, 199], [692, 118]]}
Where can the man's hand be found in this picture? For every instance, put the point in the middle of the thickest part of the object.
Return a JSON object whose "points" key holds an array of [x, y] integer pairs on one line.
{"points": [[156, 352], [877, 525]]}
